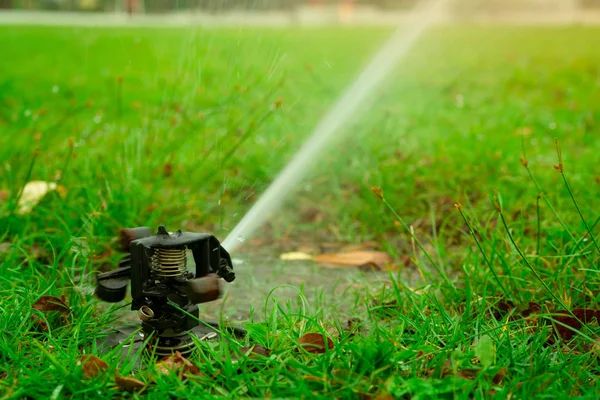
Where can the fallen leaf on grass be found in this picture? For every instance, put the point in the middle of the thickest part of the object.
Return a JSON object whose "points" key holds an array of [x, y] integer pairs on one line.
{"points": [[378, 259], [179, 364], [533, 308], [503, 307], [468, 373], [471, 373], [585, 315], [92, 366], [315, 343], [33, 193], [39, 324], [566, 325], [129, 384], [256, 350], [465, 373], [295, 256], [499, 377], [51, 303], [252, 353]]}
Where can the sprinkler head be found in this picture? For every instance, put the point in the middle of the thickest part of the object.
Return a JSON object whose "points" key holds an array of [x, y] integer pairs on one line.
{"points": [[165, 292]]}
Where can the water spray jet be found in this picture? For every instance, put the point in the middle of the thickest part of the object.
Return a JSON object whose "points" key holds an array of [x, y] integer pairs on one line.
{"points": [[424, 15]]}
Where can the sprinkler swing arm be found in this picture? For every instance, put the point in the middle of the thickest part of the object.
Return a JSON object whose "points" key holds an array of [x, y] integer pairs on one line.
{"points": [[164, 292]]}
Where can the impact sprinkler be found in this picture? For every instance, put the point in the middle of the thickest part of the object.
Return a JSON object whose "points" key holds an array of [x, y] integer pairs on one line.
{"points": [[165, 292]]}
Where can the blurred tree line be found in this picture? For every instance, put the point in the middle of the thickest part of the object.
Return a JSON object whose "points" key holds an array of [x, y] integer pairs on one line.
{"points": [[163, 6]]}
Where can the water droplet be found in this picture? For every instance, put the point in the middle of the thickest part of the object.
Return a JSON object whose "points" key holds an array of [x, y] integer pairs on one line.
{"points": [[27, 113], [55, 89]]}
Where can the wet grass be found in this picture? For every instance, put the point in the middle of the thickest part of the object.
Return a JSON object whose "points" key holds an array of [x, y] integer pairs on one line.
{"points": [[186, 128]]}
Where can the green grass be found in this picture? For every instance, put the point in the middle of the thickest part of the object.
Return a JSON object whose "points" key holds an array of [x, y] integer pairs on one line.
{"points": [[188, 127]]}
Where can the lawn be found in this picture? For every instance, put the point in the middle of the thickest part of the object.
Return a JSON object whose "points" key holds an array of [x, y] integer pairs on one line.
{"points": [[186, 127]]}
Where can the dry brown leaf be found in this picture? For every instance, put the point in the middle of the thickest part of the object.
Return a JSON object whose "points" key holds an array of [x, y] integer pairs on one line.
{"points": [[378, 259], [499, 377], [585, 315], [468, 373], [4, 195], [256, 350], [178, 364], [503, 307], [533, 308], [129, 384], [567, 326], [39, 324], [92, 366], [51, 303], [315, 343], [295, 256]]}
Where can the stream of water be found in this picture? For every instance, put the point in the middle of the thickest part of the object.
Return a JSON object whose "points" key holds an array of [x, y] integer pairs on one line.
{"points": [[355, 98]]}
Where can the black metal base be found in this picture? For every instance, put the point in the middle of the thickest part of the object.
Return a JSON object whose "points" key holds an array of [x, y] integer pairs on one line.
{"points": [[130, 339]]}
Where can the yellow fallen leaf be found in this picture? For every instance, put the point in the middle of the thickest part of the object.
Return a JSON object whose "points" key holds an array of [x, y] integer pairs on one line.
{"points": [[34, 192], [355, 258], [295, 256]]}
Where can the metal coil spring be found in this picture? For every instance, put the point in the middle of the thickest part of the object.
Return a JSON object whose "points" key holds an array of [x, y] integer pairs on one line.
{"points": [[169, 263]]}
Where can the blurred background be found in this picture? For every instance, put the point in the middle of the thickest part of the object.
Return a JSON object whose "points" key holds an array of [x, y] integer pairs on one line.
{"points": [[324, 10]]}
